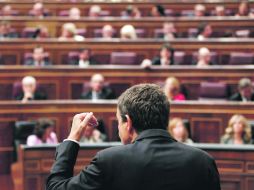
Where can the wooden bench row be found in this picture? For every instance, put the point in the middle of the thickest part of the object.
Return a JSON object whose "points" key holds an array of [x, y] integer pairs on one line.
{"points": [[221, 26], [115, 8], [235, 164], [13, 51], [66, 82]]}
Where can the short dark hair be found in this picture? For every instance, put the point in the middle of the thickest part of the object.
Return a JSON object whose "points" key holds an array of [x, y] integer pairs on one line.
{"points": [[146, 105], [161, 10], [169, 48], [41, 126]]}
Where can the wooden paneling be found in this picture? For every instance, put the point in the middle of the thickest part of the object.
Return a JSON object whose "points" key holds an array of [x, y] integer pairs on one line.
{"points": [[234, 177]]}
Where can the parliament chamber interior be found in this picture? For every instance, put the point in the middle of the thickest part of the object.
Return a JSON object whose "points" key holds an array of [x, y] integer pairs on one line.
{"points": [[63, 57]]}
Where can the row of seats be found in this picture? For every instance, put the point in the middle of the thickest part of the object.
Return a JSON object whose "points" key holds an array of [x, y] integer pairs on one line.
{"points": [[30, 32], [132, 58]]}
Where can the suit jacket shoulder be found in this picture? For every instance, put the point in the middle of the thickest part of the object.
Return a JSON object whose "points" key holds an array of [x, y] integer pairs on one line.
{"points": [[236, 97]]}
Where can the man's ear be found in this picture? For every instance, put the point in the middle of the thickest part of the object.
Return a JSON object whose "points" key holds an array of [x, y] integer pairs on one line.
{"points": [[129, 124]]}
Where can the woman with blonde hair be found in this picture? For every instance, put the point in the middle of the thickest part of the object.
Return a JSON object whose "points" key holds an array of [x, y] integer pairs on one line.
{"points": [[128, 32], [238, 131], [177, 130], [172, 89]]}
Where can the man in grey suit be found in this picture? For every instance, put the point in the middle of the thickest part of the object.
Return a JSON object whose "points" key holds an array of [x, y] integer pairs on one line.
{"points": [[150, 158]]}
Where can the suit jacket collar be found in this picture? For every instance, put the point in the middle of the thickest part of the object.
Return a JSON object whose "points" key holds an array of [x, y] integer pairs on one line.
{"points": [[159, 133]]}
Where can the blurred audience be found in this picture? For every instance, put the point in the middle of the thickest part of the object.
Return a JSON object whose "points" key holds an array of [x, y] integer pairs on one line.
{"points": [[238, 131], [74, 13], [169, 31], [43, 133], [39, 58], [131, 12], [245, 91], [199, 10], [94, 11], [220, 10], [158, 11], [29, 90], [107, 32], [172, 89], [178, 131], [98, 89], [6, 30], [92, 135], [128, 32], [204, 57], [69, 32], [84, 59], [204, 31], [38, 10]]}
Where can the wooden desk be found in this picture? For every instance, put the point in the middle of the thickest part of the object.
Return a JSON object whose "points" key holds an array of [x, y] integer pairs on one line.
{"points": [[235, 164], [65, 82], [116, 7], [14, 49], [149, 24], [208, 119]]}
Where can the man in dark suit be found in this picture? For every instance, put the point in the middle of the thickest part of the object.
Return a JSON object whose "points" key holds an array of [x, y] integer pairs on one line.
{"points": [[84, 59], [38, 59], [150, 158], [29, 90], [6, 30], [98, 89], [245, 91]]}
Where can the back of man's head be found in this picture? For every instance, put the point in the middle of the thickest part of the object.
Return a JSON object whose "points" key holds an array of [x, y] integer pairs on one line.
{"points": [[146, 105]]}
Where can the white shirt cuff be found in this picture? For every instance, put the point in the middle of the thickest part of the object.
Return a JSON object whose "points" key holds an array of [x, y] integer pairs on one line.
{"points": [[71, 140]]}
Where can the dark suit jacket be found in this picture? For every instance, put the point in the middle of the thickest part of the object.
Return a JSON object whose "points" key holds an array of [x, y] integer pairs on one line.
{"points": [[31, 62], [37, 96], [92, 61], [154, 161], [157, 61], [238, 97], [106, 93]]}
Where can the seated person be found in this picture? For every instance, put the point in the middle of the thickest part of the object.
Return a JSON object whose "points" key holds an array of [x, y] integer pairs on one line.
{"points": [[43, 133], [128, 32], [92, 135], [29, 91], [245, 91], [166, 57], [204, 57], [38, 10], [131, 12], [5, 30], [158, 11], [107, 32], [94, 11], [172, 89], [238, 131], [169, 31], [204, 31], [74, 13], [220, 10], [7, 10], [41, 32], [39, 58], [199, 10], [244, 9], [98, 89], [69, 32], [85, 59], [178, 131]]}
